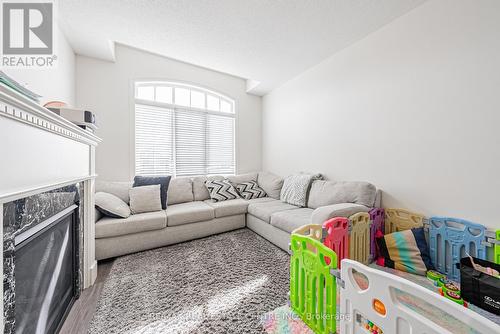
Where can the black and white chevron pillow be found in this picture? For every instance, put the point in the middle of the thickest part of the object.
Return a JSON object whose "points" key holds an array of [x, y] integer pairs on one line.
{"points": [[250, 190], [221, 190]]}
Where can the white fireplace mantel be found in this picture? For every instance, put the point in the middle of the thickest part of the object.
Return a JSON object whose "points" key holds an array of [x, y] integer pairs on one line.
{"points": [[41, 151]]}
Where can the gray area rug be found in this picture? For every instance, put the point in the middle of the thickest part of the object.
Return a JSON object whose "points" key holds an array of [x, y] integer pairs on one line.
{"points": [[220, 284]]}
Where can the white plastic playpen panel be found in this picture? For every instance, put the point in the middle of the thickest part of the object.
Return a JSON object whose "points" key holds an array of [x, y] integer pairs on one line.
{"points": [[408, 307]]}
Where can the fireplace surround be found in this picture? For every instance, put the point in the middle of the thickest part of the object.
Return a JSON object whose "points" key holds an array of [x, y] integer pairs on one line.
{"points": [[42, 259], [48, 166]]}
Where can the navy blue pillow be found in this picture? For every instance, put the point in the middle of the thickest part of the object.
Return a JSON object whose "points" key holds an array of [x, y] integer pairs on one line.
{"points": [[163, 181], [419, 235]]}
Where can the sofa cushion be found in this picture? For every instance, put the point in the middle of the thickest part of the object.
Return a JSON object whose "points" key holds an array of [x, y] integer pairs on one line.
{"points": [[145, 199], [289, 220], [264, 210], [180, 190], [329, 192], [163, 181], [112, 227], [261, 200], [200, 191], [322, 214], [119, 189], [111, 205], [190, 212], [228, 208], [236, 179], [271, 183]]}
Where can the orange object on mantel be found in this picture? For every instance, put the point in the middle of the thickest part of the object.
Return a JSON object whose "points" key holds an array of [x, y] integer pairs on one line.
{"points": [[55, 104]]}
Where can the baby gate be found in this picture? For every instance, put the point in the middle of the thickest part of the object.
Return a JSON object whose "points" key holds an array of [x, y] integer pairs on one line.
{"points": [[394, 305], [377, 216], [359, 238], [400, 220], [450, 239], [313, 291], [337, 237]]}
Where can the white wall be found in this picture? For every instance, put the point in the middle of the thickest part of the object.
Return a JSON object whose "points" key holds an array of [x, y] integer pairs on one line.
{"points": [[413, 108], [106, 88], [54, 84]]}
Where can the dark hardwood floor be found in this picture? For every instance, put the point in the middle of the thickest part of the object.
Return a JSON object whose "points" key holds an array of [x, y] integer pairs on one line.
{"points": [[81, 314]]}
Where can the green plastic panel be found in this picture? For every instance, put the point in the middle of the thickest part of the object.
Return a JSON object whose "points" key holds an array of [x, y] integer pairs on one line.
{"points": [[497, 249], [313, 289]]}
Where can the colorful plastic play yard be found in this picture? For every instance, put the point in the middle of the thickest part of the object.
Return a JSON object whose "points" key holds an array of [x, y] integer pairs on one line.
{"points": [[332, 290]]}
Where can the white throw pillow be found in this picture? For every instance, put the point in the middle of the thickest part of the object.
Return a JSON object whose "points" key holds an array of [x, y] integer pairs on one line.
{"points": [[111, 206], [145, 199], [295, 188]]}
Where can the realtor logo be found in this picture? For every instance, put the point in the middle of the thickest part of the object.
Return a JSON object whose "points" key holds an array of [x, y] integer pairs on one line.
{"points": [[28, 34], [27, 28]]}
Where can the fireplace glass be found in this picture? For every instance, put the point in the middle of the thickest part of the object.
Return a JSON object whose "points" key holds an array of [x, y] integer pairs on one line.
{"points": [[45, 276]]}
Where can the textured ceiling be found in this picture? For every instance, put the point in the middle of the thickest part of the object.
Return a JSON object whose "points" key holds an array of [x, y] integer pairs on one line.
{"points": [[267, 42]]}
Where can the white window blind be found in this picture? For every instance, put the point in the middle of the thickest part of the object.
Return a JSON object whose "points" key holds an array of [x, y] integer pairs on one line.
{"points": [[190, 143], [153, 140], [191, 137], [220, 145]]}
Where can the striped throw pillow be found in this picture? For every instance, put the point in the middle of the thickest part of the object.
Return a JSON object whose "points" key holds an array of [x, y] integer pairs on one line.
{"points": [[221, 190], [405, 251], [250, 190]]}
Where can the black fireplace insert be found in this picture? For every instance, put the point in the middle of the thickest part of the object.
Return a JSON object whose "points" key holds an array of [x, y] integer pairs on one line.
{"points": [[46, 273]]}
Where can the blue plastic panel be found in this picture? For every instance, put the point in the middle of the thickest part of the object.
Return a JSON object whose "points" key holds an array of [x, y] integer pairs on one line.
{"points": [[450, 239]]}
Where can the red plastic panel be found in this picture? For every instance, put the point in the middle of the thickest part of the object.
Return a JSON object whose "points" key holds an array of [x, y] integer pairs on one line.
{"points": [[337, 237]]}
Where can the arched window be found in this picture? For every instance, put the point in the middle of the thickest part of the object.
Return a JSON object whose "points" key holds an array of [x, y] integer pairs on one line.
{"points": [[183, 130]]}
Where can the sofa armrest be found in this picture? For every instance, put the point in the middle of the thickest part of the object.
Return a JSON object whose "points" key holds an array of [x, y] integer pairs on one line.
{"points": [[98, 215], [323, 213]]}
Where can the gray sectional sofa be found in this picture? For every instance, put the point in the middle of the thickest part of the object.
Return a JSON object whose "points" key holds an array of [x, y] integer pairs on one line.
{"points": [[191, 214]]}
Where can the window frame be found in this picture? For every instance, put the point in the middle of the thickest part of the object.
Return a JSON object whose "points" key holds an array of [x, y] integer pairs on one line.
{"points": [[172, 105], [179, 84]]}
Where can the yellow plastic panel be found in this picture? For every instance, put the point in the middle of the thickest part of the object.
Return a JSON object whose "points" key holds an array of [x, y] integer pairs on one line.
{"points": [[400, 220], [359, 238], [311, 230]]}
